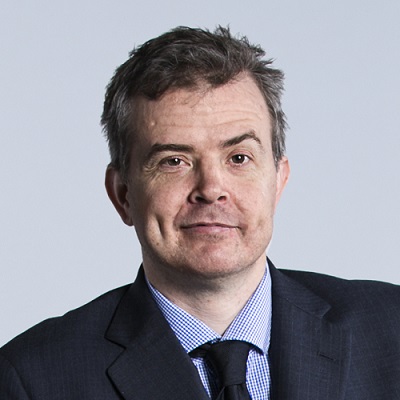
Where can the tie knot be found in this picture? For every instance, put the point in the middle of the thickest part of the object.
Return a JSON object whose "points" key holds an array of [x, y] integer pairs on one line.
{"points": [[228, 358]]}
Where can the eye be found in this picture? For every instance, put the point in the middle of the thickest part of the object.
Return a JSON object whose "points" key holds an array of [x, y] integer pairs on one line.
{"points": [[173, 161], [239, 159]]}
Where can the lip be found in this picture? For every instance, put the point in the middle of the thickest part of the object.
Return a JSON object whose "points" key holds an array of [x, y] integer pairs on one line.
{"points": [[208, 227]]}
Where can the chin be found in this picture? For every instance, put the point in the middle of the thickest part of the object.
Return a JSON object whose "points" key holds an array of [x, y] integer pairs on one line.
{"points": [[214, 268]]}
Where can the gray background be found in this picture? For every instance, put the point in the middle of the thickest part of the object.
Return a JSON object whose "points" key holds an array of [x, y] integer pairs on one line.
{"points": [[63, 244]]}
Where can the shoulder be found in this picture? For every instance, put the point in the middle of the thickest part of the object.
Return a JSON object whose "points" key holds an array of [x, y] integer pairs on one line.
{"points": [[73, 331], [334, 287], [352, 299]]}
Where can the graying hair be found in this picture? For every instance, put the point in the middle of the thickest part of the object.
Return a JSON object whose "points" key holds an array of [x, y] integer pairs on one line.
{"points": [[186, 58]]}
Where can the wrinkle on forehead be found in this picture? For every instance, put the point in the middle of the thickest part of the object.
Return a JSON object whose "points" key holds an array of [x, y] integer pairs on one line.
{"points": [[205, 109]]}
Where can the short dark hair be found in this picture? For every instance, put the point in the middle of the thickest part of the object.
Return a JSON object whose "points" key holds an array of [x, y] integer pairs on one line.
{"points": [[186, 58]]}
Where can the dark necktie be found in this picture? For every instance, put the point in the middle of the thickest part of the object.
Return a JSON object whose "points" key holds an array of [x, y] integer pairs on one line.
{"points": [[228, 358]]}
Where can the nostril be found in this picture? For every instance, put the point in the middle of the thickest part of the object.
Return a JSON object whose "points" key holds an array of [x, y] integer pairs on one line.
{"points": [[204, 199], [200, 199]]}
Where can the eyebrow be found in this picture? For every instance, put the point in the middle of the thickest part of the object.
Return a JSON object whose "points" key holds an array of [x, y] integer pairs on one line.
{"points": [[239, 139], [160, 148]]}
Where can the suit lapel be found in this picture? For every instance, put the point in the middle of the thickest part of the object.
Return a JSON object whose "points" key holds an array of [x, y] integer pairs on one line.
{"points": [[309, 354], [153, 364]]}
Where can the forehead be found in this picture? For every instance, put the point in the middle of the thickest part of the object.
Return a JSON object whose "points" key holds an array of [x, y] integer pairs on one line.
{"points": [[235, 106]]}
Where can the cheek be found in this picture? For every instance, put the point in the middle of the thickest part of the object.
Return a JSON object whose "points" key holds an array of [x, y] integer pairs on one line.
{"points": [[156, 206], [259, 196]]}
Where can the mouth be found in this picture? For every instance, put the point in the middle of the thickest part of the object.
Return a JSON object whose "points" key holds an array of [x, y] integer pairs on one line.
{"points": [[209, 228]]}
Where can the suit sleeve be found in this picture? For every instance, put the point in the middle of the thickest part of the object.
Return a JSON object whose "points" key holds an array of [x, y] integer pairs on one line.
{"points": [[11, 387]]}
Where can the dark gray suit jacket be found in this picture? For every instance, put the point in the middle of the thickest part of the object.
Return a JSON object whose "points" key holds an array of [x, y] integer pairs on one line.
{"points": [[331, 339]]}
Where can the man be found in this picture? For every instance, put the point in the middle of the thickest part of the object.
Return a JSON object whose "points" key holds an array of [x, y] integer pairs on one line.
{"points": [[196, 136]]}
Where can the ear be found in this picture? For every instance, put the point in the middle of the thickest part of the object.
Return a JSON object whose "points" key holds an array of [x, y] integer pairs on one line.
{"points": [[282, 177], [117, 191]]}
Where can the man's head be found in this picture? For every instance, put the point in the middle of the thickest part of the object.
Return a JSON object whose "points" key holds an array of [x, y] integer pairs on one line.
{"points": [[196, 135], [186, 58]]}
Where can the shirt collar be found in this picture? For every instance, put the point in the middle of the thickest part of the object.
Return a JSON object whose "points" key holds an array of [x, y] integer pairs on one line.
{"points": [[252, 324]]}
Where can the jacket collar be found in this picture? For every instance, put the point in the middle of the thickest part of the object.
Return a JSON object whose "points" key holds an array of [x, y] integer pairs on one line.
{"points": [[153, 364], [309, 354]]}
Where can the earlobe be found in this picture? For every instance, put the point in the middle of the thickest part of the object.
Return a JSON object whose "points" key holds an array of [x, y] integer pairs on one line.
{"points": [[282, 177], [117, 191]]}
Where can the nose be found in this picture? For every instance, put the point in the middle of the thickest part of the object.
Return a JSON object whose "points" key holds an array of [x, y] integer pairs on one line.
{"points": [[209, 186]]}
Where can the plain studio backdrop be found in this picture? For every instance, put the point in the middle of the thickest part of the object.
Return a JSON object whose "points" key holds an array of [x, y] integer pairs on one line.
{"points": [[62, 243]]}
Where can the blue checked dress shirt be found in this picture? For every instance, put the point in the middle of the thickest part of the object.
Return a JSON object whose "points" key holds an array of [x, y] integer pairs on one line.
{"points": [[252, 324]]}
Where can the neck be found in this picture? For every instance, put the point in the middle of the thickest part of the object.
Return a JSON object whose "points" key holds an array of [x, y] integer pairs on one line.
{"points": [[214, 301]]}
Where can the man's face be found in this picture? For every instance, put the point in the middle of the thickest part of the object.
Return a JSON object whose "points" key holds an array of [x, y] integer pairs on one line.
{"points": [[202, 183]]}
